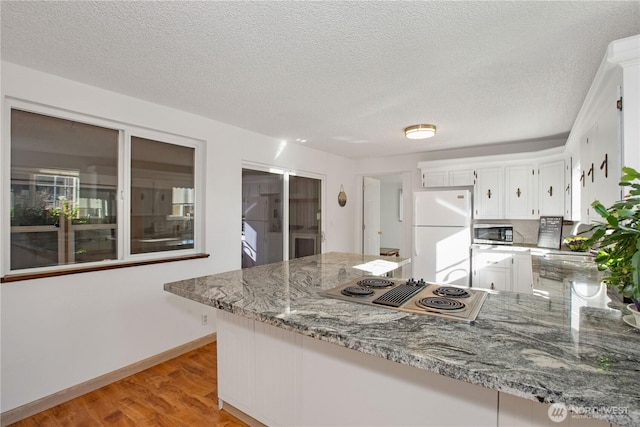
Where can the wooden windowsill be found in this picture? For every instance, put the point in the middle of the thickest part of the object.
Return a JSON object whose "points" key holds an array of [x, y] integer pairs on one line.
{"points": [[63, 272]]}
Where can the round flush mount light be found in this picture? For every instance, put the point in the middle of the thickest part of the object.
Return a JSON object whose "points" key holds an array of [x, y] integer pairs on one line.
{"points": [[420, 131]]}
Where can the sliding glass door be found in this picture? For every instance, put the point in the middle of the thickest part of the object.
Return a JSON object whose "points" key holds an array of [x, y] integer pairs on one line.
{"points": [[304, 216], [281, 216]]}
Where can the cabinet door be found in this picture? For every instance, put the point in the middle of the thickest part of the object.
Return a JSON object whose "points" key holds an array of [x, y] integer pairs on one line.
{"points": [[491, 269], [462, 177], [568, 205], [600, 160], [522, 273], [435, 179], [236, 359], [518, 194], [587, 177], [278, 382], [488, 194], [551, 191], [606, 159], [498, 279]]}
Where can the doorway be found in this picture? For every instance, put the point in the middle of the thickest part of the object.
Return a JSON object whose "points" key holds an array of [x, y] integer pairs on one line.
{"points": [[281, 216], [383, 216]]}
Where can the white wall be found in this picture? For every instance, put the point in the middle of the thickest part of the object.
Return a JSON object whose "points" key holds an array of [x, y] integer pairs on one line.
{"points": [[61, 331]]}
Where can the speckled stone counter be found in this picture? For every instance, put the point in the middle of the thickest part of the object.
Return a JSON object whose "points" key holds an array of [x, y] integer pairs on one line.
{"points": [[549, 347]]}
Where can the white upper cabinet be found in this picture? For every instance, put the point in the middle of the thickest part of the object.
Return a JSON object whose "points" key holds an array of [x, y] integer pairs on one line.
{"points": [[435, 179], [551, 188], [447, 178], [606, 133], [488, 194], [462, 177], [519, 195], [568, 190], [600, 159], [507, 186]]}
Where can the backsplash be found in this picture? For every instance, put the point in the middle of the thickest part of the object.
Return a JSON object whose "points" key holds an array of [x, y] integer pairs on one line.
{"points": [[525, 231]]}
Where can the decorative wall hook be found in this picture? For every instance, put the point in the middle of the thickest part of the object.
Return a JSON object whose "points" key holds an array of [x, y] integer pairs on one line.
{"points": [[342, 196]]}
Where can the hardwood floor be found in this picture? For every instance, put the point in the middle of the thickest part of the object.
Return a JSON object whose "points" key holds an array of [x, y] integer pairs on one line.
{"points": [[180, 392]]}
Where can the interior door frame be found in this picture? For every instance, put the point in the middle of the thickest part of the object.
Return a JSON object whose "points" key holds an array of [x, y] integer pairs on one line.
{"points": [[407, 208], [370, 230]]}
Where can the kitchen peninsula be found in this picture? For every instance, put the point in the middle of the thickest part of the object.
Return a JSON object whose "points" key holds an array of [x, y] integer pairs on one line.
{"points": [[289, 356]]}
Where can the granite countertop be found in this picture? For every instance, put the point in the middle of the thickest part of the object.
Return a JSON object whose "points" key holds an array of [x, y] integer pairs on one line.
{"points": [[551, 346]]}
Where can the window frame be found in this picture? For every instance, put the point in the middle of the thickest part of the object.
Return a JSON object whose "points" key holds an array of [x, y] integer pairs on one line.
{"points": [[123, 247]]}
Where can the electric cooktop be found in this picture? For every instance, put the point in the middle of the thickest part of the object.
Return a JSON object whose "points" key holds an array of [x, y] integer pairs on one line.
{"points": [[412, 296]]}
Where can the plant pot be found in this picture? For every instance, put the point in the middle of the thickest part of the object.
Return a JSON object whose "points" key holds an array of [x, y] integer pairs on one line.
{"points": [[636, 314]]}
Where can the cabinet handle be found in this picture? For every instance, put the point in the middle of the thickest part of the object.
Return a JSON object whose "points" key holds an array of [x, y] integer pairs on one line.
{"points": [[489, 193], [550, 191], [590, 173], [582, 178], [492, 286], [567, 189], [605, 165], [518, 192]]}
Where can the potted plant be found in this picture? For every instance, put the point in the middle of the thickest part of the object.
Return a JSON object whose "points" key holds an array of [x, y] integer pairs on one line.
{"points": [[617, 241]]}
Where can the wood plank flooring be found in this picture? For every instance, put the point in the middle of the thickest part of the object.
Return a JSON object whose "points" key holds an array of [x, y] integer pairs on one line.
{"points": [[180, 392]]}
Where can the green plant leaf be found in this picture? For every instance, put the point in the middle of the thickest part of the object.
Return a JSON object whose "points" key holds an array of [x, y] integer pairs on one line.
{"points": [[600, 209]]}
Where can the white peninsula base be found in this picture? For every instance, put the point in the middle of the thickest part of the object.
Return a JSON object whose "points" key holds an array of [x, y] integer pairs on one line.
{"points": [[282, 378]]}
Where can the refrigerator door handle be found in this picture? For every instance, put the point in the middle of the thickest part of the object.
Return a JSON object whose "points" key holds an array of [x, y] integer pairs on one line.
{"points": [[415, 241]]}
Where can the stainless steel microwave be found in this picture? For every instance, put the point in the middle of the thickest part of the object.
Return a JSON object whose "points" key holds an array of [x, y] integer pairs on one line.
{"points": [[493, 234]]}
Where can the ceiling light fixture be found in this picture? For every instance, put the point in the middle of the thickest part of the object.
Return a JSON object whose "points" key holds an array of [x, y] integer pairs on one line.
{"points": [[420, 131]]}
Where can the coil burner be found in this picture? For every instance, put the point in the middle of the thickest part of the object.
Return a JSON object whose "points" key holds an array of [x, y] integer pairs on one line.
{"points": [[357, 291], [441, 303], [375, 282], [451, 292]]}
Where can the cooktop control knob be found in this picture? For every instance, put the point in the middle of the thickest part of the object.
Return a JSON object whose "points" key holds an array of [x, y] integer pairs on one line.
{"points": [[417, 283]]}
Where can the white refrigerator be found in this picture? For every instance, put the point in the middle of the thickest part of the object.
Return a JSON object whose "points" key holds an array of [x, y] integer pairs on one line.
{"points": [[442, 236]]}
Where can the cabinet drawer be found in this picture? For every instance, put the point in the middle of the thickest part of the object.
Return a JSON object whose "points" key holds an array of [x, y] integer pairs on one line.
{"points": [[492, 259]]}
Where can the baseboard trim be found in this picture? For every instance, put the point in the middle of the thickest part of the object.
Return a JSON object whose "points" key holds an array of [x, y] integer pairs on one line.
{"points": [[247, 419], [47, 402]]}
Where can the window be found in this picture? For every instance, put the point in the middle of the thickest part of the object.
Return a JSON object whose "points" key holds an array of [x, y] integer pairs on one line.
{"points": [[161, 196], [68, 200]]}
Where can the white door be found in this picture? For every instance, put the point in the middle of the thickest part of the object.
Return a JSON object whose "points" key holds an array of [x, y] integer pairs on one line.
{"points": [[371, 217]]}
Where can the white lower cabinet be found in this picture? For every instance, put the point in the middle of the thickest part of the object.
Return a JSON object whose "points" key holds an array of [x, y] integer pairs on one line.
{"points": [[259, 369], [282, 378], [522, 272], [502, 269], [344, 387], [497, 279]]}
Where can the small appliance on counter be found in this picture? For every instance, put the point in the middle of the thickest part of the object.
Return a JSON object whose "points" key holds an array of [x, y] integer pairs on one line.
{"points": [[412, 296], [493, 234]]}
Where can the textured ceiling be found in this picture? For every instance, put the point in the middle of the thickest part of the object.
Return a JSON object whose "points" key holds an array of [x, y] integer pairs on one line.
{"points": [[347, 77]]}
